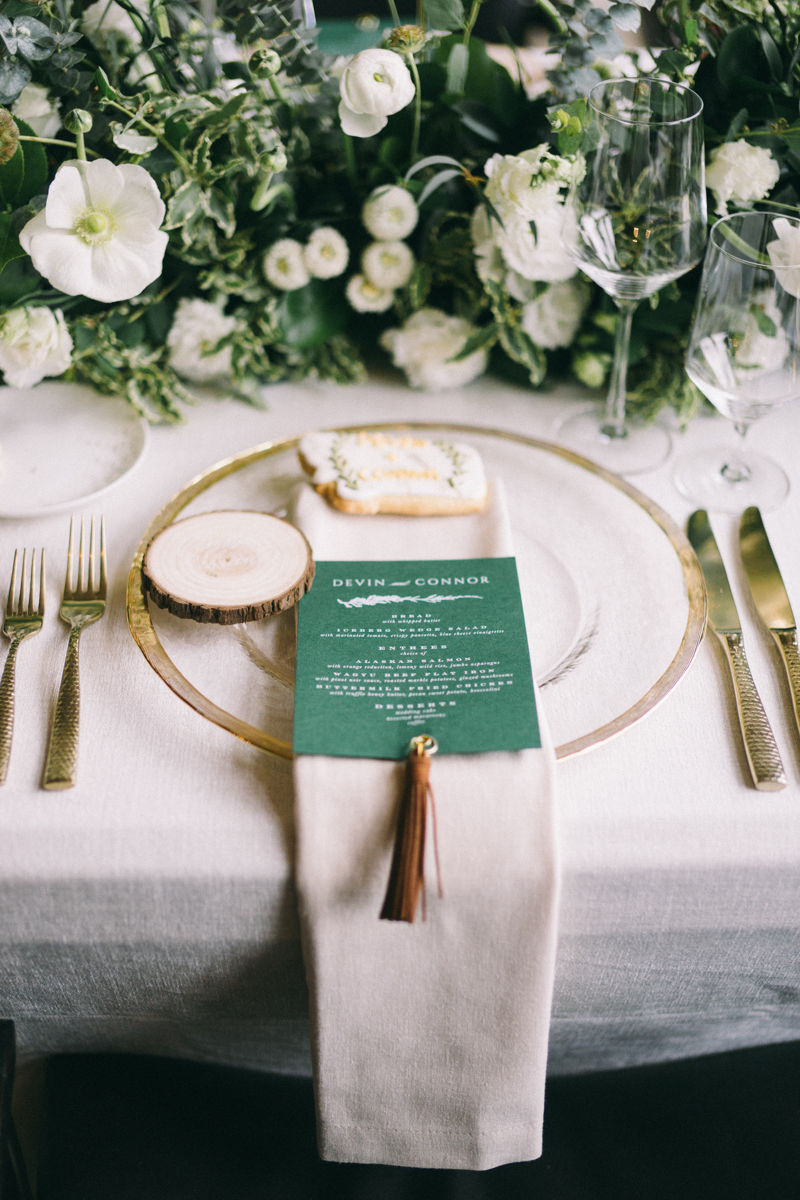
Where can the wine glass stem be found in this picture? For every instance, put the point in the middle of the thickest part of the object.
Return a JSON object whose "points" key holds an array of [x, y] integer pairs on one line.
{"points": [[735, 469], [614, 421]]}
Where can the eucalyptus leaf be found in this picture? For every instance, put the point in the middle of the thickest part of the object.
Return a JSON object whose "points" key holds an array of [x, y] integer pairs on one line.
{"points": [[626, 16], [607, 45], [14, 76]]}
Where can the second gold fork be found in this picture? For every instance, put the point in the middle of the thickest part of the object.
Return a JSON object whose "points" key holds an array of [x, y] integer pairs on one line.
{"points": [[80, 606]]}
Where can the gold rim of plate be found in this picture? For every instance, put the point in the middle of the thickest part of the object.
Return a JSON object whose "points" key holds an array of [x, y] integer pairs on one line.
{"points": [[145, 636]]}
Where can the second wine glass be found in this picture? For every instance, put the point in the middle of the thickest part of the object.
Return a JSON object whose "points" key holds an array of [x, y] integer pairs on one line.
{"points": [[635, 222]]}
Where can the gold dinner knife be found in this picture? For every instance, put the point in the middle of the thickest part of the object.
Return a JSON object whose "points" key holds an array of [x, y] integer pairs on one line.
{"points": [[770, 596], [759, 742]]}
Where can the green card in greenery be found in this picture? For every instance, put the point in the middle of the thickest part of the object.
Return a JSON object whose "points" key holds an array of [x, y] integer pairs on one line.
{"points": [[388, 650]]}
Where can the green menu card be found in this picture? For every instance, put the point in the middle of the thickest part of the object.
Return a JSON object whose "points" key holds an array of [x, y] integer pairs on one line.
{"points": [[387, 650]]}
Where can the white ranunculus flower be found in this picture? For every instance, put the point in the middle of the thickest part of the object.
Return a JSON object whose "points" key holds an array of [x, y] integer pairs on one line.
{"points": [[538, 256], [37, 108], [784, 254], [98, 234], [284, 265], [34, 342], [196, 330], [374, 84], [102, 18], [515, 179], [390, 214], [366, 297], [133, 142], [326, 254], [424, 345], [388, 264], [554, 317], [740, 172]]}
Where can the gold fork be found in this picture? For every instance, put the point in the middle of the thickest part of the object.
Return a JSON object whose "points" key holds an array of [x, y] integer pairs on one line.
{"points": [[79, 608], [21, 621]]}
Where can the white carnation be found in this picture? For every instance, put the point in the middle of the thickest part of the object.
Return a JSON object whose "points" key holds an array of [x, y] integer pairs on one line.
{"points": [[197, 329], [740, 172], [326, 254], [554, 317], [373, 85], [390, 214], [366, 297], [98, 234], [426, 343], [388, 264], [34, 342], [37, 108], [284, 265], [784, 254]]}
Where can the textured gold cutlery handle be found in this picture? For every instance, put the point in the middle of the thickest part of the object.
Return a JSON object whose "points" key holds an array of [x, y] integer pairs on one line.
{"points": [[787, 640], [7, 708], [62, 754], [759, 741]]}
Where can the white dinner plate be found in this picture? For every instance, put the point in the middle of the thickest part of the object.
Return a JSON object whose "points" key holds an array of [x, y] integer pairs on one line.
{"points": [[62, 445], [613, 594]]}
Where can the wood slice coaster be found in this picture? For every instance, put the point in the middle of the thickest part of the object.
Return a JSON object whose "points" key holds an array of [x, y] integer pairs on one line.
{"points": [[228, 567]]}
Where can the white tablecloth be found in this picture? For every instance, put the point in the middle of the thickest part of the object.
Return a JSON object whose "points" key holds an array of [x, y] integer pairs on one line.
{"points": [[152, 908]]}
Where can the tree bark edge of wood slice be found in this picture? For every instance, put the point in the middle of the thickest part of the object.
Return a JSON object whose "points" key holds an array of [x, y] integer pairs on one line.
{"points": [[194, 586]]}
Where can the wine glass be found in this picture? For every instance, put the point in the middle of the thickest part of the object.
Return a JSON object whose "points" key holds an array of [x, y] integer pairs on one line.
{"points": [[636, 221], [744, 354]]}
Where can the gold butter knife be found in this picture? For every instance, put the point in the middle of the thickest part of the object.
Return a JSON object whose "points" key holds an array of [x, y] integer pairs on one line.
{"points": [[759, 742], [770, 596]]}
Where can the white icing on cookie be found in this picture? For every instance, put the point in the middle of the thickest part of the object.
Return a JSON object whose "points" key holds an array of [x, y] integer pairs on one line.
{"points": [[361, 468]]}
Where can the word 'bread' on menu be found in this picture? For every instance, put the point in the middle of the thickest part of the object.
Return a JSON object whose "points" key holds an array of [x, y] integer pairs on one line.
{"points": [[368, 472]]}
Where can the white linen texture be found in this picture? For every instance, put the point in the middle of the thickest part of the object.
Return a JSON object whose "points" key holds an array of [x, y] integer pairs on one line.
{"points": [[429, 1040]]}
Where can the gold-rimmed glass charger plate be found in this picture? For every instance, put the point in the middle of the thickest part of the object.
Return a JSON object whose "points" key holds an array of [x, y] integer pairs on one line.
{"points": [[614, 596]]}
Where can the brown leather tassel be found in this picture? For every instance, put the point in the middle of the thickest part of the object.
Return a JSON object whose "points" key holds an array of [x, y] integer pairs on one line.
{"points": [[407, 876]]}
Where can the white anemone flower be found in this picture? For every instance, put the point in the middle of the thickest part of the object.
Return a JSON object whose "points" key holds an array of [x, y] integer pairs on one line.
{"points": [[373, 85], [366, 297], [326, 254], [34, 342], [284, 265], [388, 264], [390, 214], [36, 107], [98, 234]]}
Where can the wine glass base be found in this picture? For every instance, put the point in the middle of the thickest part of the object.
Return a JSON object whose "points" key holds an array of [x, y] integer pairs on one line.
{"points": [[643, 448], [699, 477]]}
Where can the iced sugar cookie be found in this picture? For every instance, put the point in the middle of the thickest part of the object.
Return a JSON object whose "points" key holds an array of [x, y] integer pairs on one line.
{"points": [[373, 472]]}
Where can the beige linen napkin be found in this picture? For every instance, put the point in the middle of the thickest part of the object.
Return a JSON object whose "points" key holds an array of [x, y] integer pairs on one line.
{"points": [[429, 1040]]}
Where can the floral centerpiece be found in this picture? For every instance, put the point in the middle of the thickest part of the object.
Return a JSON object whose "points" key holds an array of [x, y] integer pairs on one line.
{"points": [[196, 195]]}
